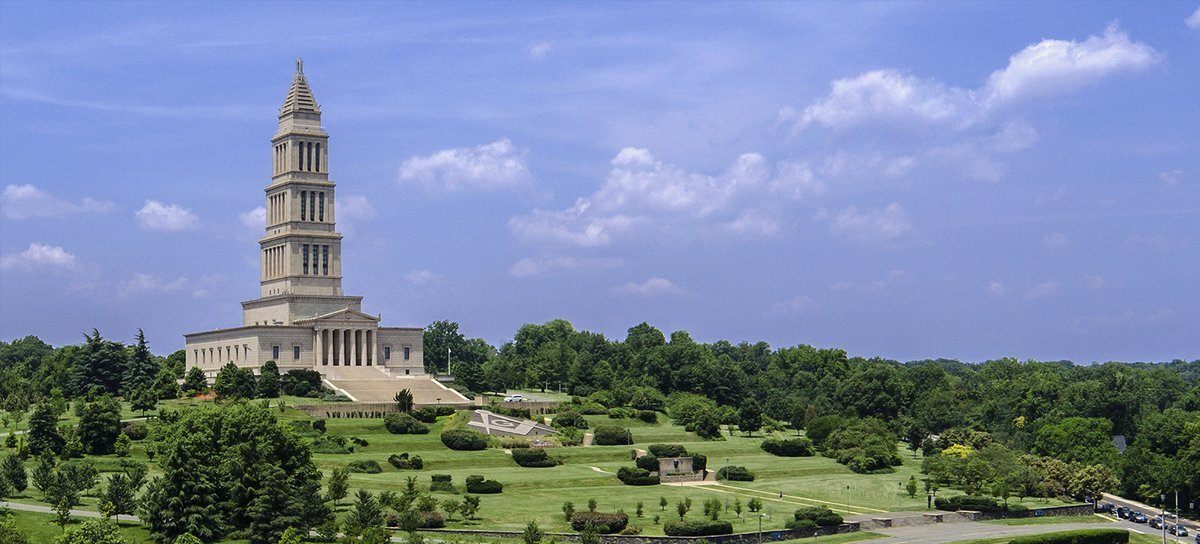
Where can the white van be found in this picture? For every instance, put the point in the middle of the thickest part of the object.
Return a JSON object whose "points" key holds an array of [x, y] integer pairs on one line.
{"points": [[514, 398]]}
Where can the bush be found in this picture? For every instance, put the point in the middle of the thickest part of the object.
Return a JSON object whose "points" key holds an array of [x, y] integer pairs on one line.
{"points": [[611, 435], [968, 502], [601, 522], [301, 383], [801, 524], [476, 484], [697, 527], [534, 458], [569, 418], [788, 447], [442, 482], [464, 440], [667, 450], [432, 520], [621, 413], [399, 423], [510, 411], [429, 414], [636, 476], [699, 462], [136, 430], [818, 515], [647, 462], [735, 474], [648, 416], [319, 425], [404, 462], [365, 466], [593, 409], [1080, 536], [332, 444]]}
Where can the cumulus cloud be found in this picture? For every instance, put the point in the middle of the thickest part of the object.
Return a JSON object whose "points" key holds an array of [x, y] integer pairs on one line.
{"points": [[539, 51], [38, 256], [353, 208], [653, 287], [796, 304], [1043, 290], [887, 226], [1049, 67], [537, 266], [156, 215], [1193, 21], [142, 283], [27, 201], [497, 165], [254, 219]]}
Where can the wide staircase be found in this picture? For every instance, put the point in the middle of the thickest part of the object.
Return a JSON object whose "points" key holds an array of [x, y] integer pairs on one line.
{"points": [[374, 384]]}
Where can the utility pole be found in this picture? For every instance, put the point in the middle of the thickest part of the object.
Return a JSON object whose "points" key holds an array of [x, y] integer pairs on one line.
{"points": [[1163, 517]]}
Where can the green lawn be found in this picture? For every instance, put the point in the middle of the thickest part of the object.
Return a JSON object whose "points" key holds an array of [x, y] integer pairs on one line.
{"points": [[1049, 520], [837, 539], [41, 528], [1134, 538]]}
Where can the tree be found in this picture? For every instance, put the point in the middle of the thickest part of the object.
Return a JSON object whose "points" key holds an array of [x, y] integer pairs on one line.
{"points": [[366, 514], [1092, 480], [568, 510], [93, 531], [13, 470], [165, 384], [234, 382], [121, 447], [100, 424], [1087, 441], [681, 509], [194, 382], [662, 503], [404, 400], [338, 486], [450, 506], [532, 534], [100, 366], [43, 474], [271, 510], [750, 417], [118, 497], [9, 533], [141, 370], [911, 486], [470, 506], [43, 430], [143, 399], [268, 380]]}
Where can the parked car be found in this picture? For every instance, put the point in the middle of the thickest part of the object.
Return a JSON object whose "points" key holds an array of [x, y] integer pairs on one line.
{"points": [[1138, 517], [1106, 507], [514, 398], [1198, 539], [1156, 522], [1123, 512], [1177, 530]]}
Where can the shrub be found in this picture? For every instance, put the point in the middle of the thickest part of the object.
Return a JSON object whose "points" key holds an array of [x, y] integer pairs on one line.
{"points": [[699, 462], [319, 425], [332, 444], [569, 418], [611, 435], [464, 440], [399, 423], [648, 416], [788, 447], [968, 502], [365, 466], [476, 484], [1080, 536], [432, 520], [442, 482], [136, 430], [621, 413], [601, 522], [424, 414], [534, 458], [864, 446], [818, 515], [647, 462], [667, 450], [735, 474], [801, 524], [510, 411], [593, 409], [697, 527], [636, 476], [404, 462]]}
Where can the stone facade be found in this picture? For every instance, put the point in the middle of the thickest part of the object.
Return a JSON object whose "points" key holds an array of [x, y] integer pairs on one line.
{"points": [[302, 319]]}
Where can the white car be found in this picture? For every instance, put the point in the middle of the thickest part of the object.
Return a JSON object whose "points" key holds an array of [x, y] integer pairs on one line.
{"points": [[514, 398]]}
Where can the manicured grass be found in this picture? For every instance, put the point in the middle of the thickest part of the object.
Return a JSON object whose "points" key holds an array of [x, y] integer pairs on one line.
{"points": [[1048, 520], [42, 528], [1134, 538], [837, 539]]}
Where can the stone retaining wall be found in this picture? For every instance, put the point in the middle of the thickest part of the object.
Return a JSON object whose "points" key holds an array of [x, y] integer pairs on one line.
{"points": [[736, 538]]}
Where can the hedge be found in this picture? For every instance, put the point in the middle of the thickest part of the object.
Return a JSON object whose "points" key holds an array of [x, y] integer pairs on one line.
{"points": [[464, 440], [569, 418], [621, 413], [968, 502], [476, 484], [667, 450], [647, 462], [636, 476], [695, 527], [601, 522], [534, 458], [365, 466], [441, 482], [611, 435], [818, 515], [398, 423], [735, 474], [332, 444], [404, 462], [1081, 536], [647, 416], [429, 414], [788, 447]]}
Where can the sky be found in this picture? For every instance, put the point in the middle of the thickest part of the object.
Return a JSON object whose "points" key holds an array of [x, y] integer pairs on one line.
{"points": [[905, 180]]}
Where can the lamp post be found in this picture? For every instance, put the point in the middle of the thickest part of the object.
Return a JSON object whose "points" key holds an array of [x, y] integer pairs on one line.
{"points": [[760, 516], [447, 361], [1163, 516]]}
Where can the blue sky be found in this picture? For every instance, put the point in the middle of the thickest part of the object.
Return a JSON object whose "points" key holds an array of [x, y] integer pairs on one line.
{"points": [[910, 180]]}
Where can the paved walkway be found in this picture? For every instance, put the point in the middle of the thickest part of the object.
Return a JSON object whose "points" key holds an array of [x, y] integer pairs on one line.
{"points": [[48, 510]]}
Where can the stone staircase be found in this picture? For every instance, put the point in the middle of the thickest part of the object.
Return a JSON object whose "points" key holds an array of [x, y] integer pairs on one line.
{"points": [[375, 384]]}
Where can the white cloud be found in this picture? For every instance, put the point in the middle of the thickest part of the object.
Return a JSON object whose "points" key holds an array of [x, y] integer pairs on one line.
{"points": [[38, 256], [498, 165], [142, 283], [1043, 290], [539, 51], [254, 219], [996, 289], [796, 304], [423, 278], [572, 226], [886, 96], [533, 267], [353, 208], [894, 278], [1193, 21], [1120, 321], [653, 287], [879, 227], [1056, 241], [1095, 282], [1172, 177], [156, 215], [27, 201]]}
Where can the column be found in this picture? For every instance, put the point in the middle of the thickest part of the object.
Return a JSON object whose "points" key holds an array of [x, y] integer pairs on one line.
{"points": [[354, 348], [371, 360], [345, 334], [316, 349], [333, 347]]}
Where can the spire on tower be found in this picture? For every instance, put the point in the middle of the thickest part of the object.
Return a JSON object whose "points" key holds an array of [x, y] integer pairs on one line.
{"points": [[300, 97]]}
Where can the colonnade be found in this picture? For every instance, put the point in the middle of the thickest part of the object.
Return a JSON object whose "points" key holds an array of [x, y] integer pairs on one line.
{"points": [[346, 347]]}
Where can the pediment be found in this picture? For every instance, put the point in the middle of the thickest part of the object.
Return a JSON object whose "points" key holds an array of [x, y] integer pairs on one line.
{"points": [[345, 314]]}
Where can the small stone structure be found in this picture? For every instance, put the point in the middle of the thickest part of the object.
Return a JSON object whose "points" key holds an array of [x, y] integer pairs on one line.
{"points": [[673, 470]]}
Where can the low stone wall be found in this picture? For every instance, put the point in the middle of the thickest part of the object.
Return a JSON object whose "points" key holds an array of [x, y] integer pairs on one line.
{"points": [[536, 407], [736, 538], [1068, 510], [355, 410]]}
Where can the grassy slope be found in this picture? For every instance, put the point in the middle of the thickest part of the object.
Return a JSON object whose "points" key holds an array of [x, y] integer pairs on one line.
{"points": [[1050, 520]]}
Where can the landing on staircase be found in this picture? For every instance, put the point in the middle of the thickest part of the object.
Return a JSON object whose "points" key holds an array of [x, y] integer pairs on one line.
{"points": [[375, 384]]}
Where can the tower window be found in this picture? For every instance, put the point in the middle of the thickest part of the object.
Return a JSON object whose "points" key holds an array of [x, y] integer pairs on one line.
{"points": [[300, 156], [305, 252], [318, 159], [312, 205], [303, 205], [407, 352], [314, 259], [325, 260], [387, 353], [310, 150], [321, 206]]}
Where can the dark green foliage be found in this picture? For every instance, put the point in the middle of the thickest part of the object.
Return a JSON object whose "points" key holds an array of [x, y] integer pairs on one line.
{"points": [[750, 416], [402, 423], [165, 386], [143, 399], [569, 418], [141, 370], [1083, 440], [601, 522], [301, 382], [194, 382], [636, 476], [100, 366], [333, 444], [699, 462], [234, 382], [478, 485], [1079, 536], [968, 502], [818, 515], [667, 450], [464, 440], [365, 466], [43, 430], [268, 380], [821, 427], [647, 462], [100, 424], [788, 447], [13, 471], [621, 413], [319, 425], [697, 527], [611, 435], [136, 430], [735, 474], [865, 446], [404, 400], [367, 512], [534, 458], [510, 411], [647, 416], [118, 496], [405, 462], [441, 482]]}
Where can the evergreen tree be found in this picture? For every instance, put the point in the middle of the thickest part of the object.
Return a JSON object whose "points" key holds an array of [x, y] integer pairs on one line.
{"points": [[100, 366], [118, 496], [233, 382], [194, 382], [43, 430], [43, 473], [122, 445], [165, 385], [13, 470], [99, 425], [268, 380], [141, 370], [338, 485], [6, 488], [143, 399], [366, 514], [273, 509]]}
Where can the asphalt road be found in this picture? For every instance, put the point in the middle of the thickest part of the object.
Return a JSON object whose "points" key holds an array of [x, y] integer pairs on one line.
{"points": [[943, 533]]}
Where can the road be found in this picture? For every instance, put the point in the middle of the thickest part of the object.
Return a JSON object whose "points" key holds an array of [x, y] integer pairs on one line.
{"points": [[1151, 511], [48, 510], [943, 533]]}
